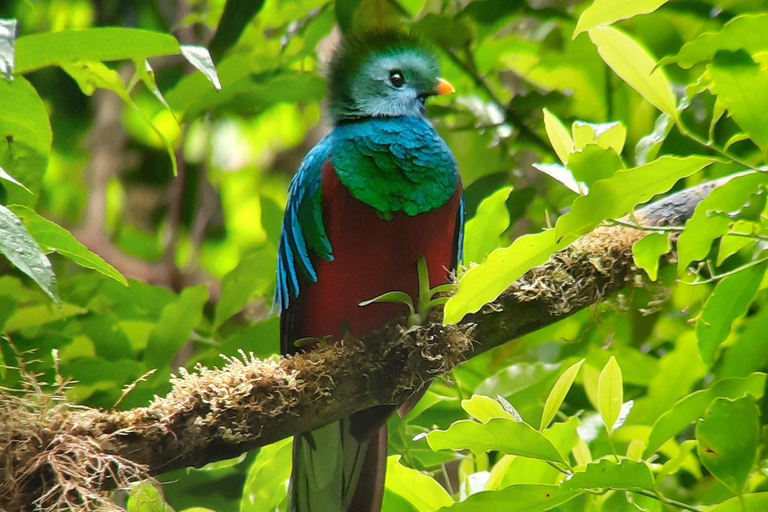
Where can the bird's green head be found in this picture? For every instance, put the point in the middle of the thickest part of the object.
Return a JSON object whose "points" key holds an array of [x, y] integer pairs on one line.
{"points": [[382, 74]]}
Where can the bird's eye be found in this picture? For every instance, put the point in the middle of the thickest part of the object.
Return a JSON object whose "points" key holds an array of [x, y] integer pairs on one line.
{"points": [[396, 78]]}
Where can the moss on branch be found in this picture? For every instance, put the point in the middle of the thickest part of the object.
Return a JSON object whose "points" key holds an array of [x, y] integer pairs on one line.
{"points": [[55, 455]]}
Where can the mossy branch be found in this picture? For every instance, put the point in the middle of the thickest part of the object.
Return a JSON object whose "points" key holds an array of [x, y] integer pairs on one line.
{"points": [[212, 415]]}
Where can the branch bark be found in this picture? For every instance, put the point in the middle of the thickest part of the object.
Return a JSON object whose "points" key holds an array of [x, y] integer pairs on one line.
{"points": [[211, 415]]}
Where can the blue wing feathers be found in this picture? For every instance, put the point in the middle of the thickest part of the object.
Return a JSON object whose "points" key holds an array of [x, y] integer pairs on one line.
{"points": [[302, 227]]}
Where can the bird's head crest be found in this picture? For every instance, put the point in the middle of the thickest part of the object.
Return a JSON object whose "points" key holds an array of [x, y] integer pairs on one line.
{"points": [[382, 74]]}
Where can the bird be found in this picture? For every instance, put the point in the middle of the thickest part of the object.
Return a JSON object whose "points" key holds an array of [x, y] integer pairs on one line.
{"points": [[379, 193]]}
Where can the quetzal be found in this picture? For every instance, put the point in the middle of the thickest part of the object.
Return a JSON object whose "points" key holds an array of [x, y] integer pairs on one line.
{"points": [[376, 195]]}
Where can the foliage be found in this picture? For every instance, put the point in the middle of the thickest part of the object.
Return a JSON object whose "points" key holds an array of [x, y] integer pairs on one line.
{"points": [[115, 267]]}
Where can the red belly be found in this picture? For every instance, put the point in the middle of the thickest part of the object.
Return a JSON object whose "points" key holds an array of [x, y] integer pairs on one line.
{"points": [[372, 256]]}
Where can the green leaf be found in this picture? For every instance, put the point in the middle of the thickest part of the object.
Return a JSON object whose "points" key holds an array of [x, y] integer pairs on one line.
{"points": [[605, 135], [265, 486], [95, 75], [52, 235], [593, 163], [22, 250], [728, 73], [252, 276], [517, 378], [243, 91], [563, 175], [689, 408], [499, 434], [703, 227], [201, 59], [647, 251], [607, 12], [483, 283], [618, 195], [7, 177], [145, 497], [420, 490], [628, 475], [635, 66], [746, 32], [749, 351], [558, 136], [483, 232], [610, 393], [516, 498], [37, 51], [235, 18], [756, 502], [558, 394], [484, 409], [728, 301], [7, 38], [727, 440], [174, 326], [25, 138], [40, 314]]}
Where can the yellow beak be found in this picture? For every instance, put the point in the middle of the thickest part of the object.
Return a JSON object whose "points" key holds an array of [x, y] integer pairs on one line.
{"points": [[443, 87]]}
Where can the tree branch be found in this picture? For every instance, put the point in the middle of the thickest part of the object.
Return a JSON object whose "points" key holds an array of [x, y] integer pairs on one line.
{"points": [[211, 415]]}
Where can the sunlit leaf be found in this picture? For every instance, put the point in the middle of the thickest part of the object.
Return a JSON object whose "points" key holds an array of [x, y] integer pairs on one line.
{"points": [[564, 176], [593, 163], [516, 498], [745, 32], [610, 393], [753, 502], [606, 135], [635, 66], [558, 136], [485, 282], [25, 138], [483, 232], [201, 59], [420, 490], [727, 438], [607, 12], [618, 195], [35, 51], [558, 393], [729, 300], [728, 73], [648, 250], [52, 235], [691, 407], [608, 474], [484, 409], [499, 434], [704, 227]]}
